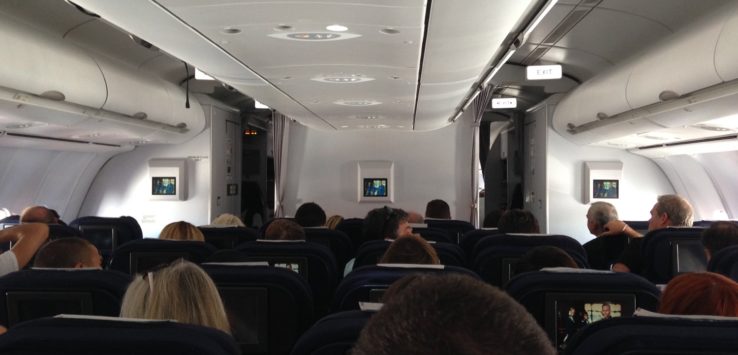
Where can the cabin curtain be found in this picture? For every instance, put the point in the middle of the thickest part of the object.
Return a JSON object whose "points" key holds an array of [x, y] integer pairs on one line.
{"points": [[280, 140], [477, 110]]}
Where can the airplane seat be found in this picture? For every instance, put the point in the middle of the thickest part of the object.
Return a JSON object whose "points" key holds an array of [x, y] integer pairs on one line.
{"points": [[372, 251], [652, 333], [36, 293], [138, 256], [435, 235], [640, 226], [470, 239], [668, 252], [55, 231], [338, 242], [74, 334], [107, 233], [725, 262], [354, 228], [457, 228], [268, 307], [702, 224], [605, 251], [334, 334], [312, 261], [368, 283], [13, 219], [549, 295], [494, 257], [227, 237]]}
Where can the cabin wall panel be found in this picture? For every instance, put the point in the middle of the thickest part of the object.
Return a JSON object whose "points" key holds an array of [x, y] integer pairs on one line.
{"points": [[428, 165], [641, 183], [722, 168], [123, 186]]}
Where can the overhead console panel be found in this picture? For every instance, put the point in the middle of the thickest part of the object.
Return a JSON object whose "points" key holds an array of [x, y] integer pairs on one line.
{"points": [[663, 95]]}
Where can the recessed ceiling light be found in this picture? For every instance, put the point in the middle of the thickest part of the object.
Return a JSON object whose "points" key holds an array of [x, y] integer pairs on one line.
{"points": [[342, 78], [357, 102], [395, 77], [336, 28], [382, 126], [344, 126], [283, 27], [390, 31], [400, 126], [231, 30], [365, 117], [314, 36]]}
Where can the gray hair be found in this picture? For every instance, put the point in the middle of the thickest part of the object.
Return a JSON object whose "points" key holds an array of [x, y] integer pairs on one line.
{"points": [[677, 209], [602, 212]]}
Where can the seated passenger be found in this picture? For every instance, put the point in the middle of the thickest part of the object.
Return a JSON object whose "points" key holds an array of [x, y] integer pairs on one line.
{"points": [[603, 251], [27, 239], [310, 214], [700, 293], [386, 223], [333, 221], [284, 229], [450, 314], [415, 218], [719, 236], [182, 291], [518, 221], [437, 209], [669, 211], [181, 231], [410, 250], [544, 256], [227, 220], [68, 253], [39, 214]]}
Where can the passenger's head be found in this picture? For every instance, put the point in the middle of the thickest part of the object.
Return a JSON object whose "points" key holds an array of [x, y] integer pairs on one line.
{"points": [[181, 291], [544, 256], [518, 221], [38, 214], [670, 211], [606, 310], [181, 231], [333, 221], [437, 209], [718, 236], [492, 219], [415, 217], [71, 252], [386, 223], [598, 215], [410, 250], [450, 314], [284, 229], [310, 215], [227, 219], [700, 293]]}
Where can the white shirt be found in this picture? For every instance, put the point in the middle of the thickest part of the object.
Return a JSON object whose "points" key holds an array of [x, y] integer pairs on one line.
{"points": [[8, 263]]}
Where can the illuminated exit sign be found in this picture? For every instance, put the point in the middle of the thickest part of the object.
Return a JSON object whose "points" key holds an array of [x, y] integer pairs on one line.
{"points": [[505, 102], [543, 72]]}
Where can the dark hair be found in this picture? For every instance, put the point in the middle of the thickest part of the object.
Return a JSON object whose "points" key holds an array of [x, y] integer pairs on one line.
{"points": [[450, 314], [410, 250], [518, 221], [284, 229], [700, 293], [720, 235], [64, 253], [310, 215], [381, 223], [492, 219], [544, 256], [437, 209]]}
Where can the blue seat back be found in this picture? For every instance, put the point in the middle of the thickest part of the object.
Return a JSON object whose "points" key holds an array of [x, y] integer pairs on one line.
{"points": [[227, 237], [338, 242], [455, 227], [725, 262], [668, 252], [140, 255], [471, 238], [29, 294], [334, 334], [65, 336], [354, 228], [372, 251], [435, 234]]}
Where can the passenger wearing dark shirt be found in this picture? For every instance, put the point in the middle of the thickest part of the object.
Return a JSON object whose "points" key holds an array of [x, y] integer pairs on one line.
{"points": [[603, 251], [719, 236]]}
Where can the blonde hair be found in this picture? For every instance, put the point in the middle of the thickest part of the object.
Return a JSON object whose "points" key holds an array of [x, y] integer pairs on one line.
{"points": [[181, 291], [181, 231], [227, 219], [333, 221]]}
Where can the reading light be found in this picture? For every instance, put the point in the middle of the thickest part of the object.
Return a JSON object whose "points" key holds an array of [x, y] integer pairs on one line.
{"points": [[200, 75]]}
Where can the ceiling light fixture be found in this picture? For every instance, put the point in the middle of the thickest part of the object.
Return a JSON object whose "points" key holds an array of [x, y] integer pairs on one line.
{"points": [[231, 30], [314, 36], [389, 31], [336, 28], [342, 78], [357, 102]]}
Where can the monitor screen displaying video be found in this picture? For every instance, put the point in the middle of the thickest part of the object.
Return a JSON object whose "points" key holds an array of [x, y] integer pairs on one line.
{"points": [[375, 187], [566, 313], [164, 186], [605, 189]]}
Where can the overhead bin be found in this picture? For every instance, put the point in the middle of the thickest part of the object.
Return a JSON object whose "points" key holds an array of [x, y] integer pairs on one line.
{"points": [[683, 76], [50, 87]]}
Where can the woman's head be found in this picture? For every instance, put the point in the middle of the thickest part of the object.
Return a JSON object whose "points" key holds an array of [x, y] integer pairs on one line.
{"points": [[181, 231], [284, 229], [700, 293], [181, 291], [386, 223], [227, 219], [410, 250]]}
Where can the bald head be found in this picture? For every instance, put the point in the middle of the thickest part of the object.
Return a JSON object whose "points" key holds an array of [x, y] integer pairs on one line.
{"points": [[38, 214]]}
